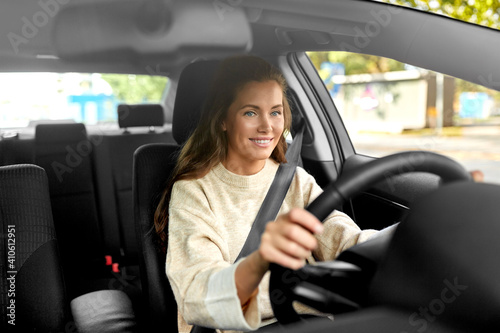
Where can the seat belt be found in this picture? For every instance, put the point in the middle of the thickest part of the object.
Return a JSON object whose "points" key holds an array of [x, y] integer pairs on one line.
{"points": [[272, 202], [275, 195]]}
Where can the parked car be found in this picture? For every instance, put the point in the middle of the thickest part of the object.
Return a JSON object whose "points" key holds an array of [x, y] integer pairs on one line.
{"points": [[438, 272]]}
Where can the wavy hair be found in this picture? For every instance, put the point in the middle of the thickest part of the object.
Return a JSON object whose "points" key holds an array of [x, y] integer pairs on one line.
{"points": [[207, 146]]}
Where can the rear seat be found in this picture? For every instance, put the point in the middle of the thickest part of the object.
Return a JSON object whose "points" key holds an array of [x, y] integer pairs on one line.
{"points": [[113, 157], [16, 151], [63, 150], [90, 182]]}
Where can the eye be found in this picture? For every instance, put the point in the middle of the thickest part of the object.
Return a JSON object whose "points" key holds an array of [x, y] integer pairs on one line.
{"points": [[276, 113], [250, 113]]}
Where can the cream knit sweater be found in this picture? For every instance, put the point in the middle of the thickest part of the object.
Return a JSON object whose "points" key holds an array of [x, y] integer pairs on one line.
{"points": [[209, 220]]}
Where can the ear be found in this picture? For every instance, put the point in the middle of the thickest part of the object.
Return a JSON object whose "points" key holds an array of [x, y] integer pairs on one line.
{"points": [[223, 126]]}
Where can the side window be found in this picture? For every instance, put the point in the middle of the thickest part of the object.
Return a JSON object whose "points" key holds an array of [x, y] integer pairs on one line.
{"points": [[389, 107], [90, 98]]}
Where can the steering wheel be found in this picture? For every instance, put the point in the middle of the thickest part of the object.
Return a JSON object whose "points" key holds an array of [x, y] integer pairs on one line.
{"points": [[287, 286]]}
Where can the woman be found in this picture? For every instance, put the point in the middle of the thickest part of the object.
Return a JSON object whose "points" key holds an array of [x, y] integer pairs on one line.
{"points": [[220, 181]]}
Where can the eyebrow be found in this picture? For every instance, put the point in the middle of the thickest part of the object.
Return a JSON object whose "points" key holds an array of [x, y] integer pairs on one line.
{"points": [[257, 107]]}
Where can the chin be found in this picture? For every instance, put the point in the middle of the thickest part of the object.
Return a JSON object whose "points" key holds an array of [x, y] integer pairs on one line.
{"points": [[262, 157]]}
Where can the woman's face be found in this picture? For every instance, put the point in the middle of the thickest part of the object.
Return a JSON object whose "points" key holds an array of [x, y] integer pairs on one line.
{"points": [[254, 125]]}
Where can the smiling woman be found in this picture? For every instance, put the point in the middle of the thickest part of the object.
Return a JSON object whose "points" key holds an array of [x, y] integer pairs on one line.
{"points": [[254, 125], [222, 176]]}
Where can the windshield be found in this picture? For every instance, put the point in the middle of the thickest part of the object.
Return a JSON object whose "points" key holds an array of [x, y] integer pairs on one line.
{"points": [[481, 12]]}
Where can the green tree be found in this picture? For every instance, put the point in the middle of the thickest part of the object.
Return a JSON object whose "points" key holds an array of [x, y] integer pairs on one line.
{"points": [[134, 89], [483, 12]]}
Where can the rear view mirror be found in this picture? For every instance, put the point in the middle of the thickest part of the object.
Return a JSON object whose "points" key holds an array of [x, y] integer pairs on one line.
{"points": [[154, 28]]}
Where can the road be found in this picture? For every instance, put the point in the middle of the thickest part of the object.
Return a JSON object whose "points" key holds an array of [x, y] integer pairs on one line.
{"points": [[478, 147]]}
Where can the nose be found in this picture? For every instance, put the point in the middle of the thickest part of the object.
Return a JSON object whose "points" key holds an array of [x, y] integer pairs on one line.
{"points": [[265, 124]]}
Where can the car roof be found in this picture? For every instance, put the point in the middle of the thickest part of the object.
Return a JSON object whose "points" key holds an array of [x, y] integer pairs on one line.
{"points": [[158, 37]]}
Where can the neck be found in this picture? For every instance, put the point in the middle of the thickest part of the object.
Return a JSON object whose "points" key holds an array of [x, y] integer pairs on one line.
{"points": [[246, 169]]}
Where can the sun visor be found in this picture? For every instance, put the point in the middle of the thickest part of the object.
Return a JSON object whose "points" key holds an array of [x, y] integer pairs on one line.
{"points": [[121, 29]]}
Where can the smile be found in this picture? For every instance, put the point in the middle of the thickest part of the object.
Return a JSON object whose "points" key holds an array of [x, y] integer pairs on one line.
{"points": [[261, 142]]}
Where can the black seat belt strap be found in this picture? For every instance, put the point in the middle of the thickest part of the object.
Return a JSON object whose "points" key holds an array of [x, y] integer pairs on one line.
{"points": [[272, 202], [276, 194]]}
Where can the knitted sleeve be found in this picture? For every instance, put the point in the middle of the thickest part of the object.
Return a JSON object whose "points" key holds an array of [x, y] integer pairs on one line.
{"points": [[198, 266]]}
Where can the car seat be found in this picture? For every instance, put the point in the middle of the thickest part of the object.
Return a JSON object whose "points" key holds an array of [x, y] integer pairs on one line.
{"points": [[153, 164], [33, 295], [63, 150]]}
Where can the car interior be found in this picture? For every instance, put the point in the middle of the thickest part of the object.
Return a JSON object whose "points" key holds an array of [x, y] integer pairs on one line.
{"points": [[80, 200]]}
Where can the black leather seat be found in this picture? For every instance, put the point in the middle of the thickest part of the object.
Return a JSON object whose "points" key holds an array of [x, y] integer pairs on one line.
{"points": [[153, 164], [33, 294]]}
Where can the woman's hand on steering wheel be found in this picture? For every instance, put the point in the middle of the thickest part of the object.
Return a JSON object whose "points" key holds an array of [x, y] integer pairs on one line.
{"points": [[289, 240]]}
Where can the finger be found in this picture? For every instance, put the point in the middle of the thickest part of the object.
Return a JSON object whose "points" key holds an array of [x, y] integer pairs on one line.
{"points": [[477, 175], [291, 248], [292, 231], [298, 235], [272, 255], [306, 220]]}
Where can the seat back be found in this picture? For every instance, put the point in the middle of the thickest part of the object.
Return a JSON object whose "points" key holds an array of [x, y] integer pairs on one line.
{"points": [[153, 164], [63, 150], [112, 158], [33, 294], [152, 168]]}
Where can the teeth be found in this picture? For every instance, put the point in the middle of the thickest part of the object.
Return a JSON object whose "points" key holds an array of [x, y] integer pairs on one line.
{"points": [[261, 141]]}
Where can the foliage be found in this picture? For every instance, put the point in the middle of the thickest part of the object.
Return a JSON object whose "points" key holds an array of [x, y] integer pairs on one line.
{"points": [[483, 12], [136, 88]]}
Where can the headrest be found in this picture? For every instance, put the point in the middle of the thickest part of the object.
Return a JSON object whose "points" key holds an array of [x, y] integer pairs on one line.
{"points": [[192, 91], [443, 259], [140, 115], [65, 133]]}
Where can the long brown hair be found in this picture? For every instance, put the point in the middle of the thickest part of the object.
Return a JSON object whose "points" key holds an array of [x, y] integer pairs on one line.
{"points": [[207, 146]]}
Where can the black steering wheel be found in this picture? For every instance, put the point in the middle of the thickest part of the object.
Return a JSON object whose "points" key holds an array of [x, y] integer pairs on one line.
{"points": [[287, 286]]}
